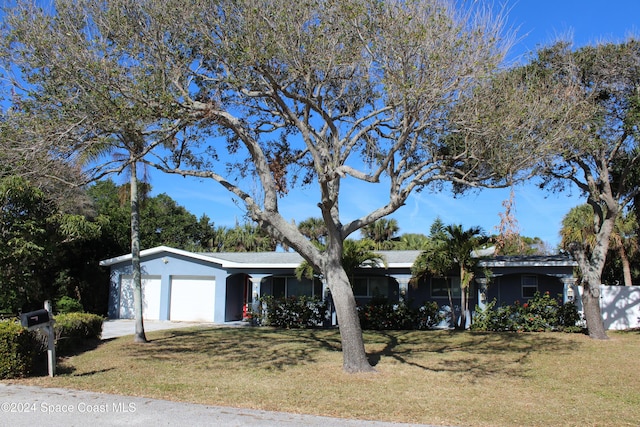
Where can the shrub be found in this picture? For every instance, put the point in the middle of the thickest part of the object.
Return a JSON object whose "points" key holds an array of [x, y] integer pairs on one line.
{"points": [[68, 305], [20, 350], [291, 312], [73, 330], [380, 314], [540, 313]]}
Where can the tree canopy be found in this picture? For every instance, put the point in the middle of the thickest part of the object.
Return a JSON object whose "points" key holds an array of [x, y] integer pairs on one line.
{"points": [[262, 96]]}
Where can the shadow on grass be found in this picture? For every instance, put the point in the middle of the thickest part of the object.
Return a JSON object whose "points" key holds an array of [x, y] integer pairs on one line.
{"points": [[261, 348], [477, 354], [267, 349]]}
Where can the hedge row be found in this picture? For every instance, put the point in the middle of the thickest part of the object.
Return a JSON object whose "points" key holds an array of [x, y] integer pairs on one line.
{"points": [[380, 314], [291, 312], [22, 351], [73, 330], [541, 313]]}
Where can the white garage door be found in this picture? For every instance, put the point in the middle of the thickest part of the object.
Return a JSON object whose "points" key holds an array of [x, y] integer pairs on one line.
{"points": [[192, 298], [150, 297]]}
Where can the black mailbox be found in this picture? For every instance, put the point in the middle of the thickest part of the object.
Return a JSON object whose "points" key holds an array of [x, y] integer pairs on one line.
{"points": [[34, 318]]}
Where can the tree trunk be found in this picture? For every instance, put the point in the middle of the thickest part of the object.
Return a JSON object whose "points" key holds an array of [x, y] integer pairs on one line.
{"points": [[591, 279], [354, 357], [463, 312], [591, 306], [139, 335], [452, 311], [626, 267]]}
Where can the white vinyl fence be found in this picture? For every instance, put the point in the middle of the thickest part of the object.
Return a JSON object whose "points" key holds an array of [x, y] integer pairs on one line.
{"points": [[620, 306]]}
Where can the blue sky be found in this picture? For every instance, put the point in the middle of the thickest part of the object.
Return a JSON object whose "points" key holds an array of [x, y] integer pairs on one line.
{"points": [[538, 213]]}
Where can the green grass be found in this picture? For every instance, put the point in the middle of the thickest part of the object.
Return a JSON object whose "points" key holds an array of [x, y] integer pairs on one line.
{"points": [[430, 377]]}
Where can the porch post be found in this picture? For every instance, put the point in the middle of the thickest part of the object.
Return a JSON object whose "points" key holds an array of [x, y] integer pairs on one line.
{"points": [[482, 291], [571, 293], [255, 292], [403, 287], [326, 296]]}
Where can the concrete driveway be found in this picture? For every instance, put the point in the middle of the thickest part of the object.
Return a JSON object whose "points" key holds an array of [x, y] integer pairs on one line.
{"points": [[112, 328]]}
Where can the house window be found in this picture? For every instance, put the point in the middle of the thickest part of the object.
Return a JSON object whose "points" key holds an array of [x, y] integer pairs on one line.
{"points": [[371, 287], [440, 287], [529, 286], [290, 286]]}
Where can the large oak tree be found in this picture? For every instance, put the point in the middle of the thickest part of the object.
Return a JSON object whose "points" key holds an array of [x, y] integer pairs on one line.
{"points": [[599, 154], [312, 93]]}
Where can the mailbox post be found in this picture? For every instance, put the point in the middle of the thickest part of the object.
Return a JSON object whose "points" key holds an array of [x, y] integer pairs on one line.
{"points": [[43, 319]]}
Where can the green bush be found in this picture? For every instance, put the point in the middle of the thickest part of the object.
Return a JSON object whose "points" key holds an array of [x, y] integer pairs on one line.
{"points": [[72, 330], [380, 314], [68, 305], [540, 313], [291, 312], [20, 350]]}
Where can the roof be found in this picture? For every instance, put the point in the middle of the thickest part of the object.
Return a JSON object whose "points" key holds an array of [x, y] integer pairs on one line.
{"points": [[529, 261], [394, 259]]}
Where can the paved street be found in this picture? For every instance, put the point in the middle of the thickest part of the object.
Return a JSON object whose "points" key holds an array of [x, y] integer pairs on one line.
{"points": [[23, 406]]}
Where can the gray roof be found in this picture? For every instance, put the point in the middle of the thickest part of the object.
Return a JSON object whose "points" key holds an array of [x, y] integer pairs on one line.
{"points": [[529, 261], [394, 259]]}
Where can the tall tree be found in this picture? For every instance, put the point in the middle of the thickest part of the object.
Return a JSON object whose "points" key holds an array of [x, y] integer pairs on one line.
{"points": [[87, 87], [296, 93], [591, 135], [320, 91], [601, 152]]}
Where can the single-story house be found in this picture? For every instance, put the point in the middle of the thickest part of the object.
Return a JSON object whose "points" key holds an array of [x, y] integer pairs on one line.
{"points": [[219, 287]]}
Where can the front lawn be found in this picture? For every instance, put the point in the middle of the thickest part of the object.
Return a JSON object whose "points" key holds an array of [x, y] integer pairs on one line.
{"points": [[430, 377]]}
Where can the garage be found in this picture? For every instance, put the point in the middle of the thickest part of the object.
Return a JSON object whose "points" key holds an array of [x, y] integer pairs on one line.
{"points": [[192, 298], [150, 297]]}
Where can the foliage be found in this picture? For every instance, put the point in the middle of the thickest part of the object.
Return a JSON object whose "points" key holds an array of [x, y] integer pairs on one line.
{"points": [[36, 237], [380, 314], [294, 93], [72, 330], [451, 247], [67, 304], [291, 312], [20, 350], [355, 254], [541, 313], [382, 233]]}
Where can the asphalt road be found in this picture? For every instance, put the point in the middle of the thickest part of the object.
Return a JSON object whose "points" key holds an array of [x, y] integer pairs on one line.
{"points": [[26, 406]]}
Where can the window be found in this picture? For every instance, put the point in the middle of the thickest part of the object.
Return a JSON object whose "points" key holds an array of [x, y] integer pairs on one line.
{"points": [[529, 286], [290, 286], [371, 287], [440, 287]]}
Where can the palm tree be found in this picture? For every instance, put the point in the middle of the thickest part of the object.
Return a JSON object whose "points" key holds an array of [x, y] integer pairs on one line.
{"points": [[355, 254], [382, 232], [412, 241], [450, 247], [314, 229], [578, 228], [247, 238]]}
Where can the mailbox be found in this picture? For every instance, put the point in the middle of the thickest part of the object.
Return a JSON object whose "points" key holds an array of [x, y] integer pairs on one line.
{"points": [[33, 319]]}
